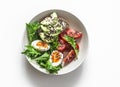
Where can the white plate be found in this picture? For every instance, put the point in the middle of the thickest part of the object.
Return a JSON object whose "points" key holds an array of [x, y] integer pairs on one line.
{"points": [[74, 23]]}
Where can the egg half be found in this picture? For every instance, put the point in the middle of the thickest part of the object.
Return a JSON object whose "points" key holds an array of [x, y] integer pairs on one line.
{"points": [[56, 58], [40, 45]]}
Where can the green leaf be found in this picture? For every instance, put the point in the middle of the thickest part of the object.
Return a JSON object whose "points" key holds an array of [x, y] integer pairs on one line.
{"points": [[44, 62], [31, 31], [54, 44], [31, 52], [72, 42], [52, 69], [43, 57]]}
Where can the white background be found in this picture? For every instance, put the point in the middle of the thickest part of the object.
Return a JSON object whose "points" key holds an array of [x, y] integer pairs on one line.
{"points": [[100, 69]]}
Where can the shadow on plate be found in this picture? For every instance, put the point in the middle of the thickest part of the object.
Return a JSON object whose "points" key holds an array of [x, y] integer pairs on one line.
{"points": [[39, 79]]}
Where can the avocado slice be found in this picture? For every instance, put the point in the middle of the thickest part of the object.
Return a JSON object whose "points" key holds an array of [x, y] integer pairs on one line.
{"points": [[46, 38], [44, 28], [54, 15]]}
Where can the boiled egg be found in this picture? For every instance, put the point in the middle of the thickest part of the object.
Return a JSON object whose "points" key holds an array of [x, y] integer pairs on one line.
{"points": [[40, 45], [56, 58]]}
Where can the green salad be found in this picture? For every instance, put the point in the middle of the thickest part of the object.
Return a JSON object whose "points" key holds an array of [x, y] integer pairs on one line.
{"points": [[49, 40]]}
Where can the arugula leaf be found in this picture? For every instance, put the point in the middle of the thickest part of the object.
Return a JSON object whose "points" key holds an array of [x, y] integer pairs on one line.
{"points": [[43, 57], [52, 69], [31, 31], [72, 42], [44, 62], [54, 45], [31, 52]]}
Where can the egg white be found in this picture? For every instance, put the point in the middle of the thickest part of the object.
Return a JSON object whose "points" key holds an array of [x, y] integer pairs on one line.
{"points": [[56, 63], [39, 47]]}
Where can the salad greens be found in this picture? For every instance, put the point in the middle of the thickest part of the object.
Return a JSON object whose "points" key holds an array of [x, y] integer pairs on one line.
{"points": [[52, 69], [54, 45], [72, 42], [42, 58], [31, 31], [31, 52]]}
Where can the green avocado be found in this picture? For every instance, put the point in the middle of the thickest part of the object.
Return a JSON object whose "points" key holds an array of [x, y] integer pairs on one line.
{"points": [[44, 28], [46, 38]]}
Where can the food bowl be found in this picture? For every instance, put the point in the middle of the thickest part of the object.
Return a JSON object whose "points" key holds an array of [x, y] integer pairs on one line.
{"points": [[74, 23]]}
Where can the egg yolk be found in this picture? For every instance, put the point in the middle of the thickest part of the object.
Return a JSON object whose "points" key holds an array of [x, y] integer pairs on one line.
{"points": [[55, 56], [42, 44]]}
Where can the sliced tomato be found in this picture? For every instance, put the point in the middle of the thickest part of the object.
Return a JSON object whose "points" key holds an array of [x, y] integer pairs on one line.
{"points": [[78, 35], [68, 47], [77, 46], [69, 58], [64, 46], [61, 47], [73, 33], [62, 41], [61, 35]]}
